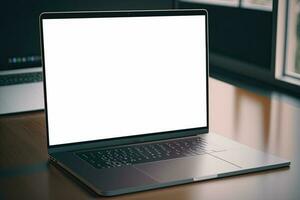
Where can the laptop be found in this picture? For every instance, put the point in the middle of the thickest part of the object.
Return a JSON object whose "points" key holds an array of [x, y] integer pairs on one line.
{"points": [[126, 101], [21, 90]]}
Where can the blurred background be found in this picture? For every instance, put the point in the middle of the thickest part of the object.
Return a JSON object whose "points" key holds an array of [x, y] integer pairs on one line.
{"points": [[251, 41]]}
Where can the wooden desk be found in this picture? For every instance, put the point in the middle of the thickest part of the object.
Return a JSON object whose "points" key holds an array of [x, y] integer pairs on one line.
{"points": [[271, 124]]}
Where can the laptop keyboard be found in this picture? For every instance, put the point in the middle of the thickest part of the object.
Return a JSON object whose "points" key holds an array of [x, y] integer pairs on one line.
{"points": [[149, 152], [12, 79]]}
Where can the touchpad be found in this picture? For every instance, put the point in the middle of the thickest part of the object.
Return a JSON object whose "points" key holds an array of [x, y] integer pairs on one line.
{"points": [[197, 167]]}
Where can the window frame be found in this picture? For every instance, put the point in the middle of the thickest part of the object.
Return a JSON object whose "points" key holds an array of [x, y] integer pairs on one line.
{"points": [[281, 19], [237, 4]]}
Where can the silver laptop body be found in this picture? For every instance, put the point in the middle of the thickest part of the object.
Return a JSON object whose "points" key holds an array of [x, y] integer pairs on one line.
{"points": [[126, 99], [15, 98]]}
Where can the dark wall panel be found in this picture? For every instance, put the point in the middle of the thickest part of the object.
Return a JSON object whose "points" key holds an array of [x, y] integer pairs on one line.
{"points": [[242, 34]]}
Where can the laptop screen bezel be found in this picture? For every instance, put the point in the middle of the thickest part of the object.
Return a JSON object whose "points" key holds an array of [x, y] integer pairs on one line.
{"points": [[125, 139]]}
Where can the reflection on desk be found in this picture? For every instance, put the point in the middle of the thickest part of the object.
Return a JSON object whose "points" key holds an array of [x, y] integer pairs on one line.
{"points": [[270, 124]]}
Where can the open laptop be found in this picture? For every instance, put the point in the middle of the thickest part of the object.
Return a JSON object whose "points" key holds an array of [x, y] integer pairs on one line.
{"points": [[126, 96], [21, 87]]}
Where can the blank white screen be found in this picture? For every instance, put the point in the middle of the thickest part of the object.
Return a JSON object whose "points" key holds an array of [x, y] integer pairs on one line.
{"points": [[114, 77]]}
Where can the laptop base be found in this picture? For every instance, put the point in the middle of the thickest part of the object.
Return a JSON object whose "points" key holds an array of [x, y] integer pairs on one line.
{"points": [[234, 160]]}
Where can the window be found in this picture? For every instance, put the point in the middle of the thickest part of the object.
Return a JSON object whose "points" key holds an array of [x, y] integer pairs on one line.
{"points": [[292, 54], [234, 3], [288, 42], [250, 4], [257, 4]]}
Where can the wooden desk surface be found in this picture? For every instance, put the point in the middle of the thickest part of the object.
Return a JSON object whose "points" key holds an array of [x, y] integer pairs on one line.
{"points": [[271, 124]]}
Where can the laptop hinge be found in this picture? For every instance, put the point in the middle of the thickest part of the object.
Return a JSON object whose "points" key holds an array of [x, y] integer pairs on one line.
{"points": [[126, 141]]}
